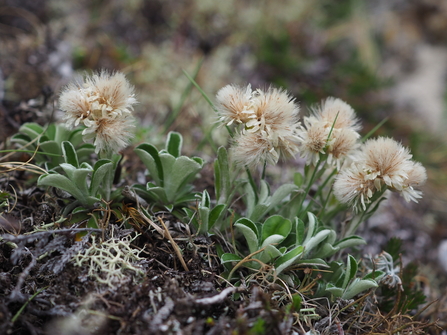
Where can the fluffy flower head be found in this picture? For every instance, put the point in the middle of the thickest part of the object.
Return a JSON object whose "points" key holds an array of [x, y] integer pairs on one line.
{"points": [[334, 109], [269, 121], [273, 111], [331, 130], [234, 103], [103, 103], [416, 176], [344, 144], [253, 149], [381, 164], [387, 161], [353, 186]]}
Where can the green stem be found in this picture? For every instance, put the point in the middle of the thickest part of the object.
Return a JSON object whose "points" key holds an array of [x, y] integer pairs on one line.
{"points": [[16, 316], [372, 131], [205, 96], [320, 191], [369, 210], [308, 187], [177, 109], [263, 170], [252, 184]]}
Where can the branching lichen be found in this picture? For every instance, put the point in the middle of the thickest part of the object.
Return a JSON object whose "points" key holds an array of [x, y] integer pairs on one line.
{"points": [[108, 260]]}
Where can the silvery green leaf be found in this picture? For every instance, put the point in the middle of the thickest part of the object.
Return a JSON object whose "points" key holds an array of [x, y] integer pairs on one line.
{"points": [[250, 232], [349, 242], [351, 271], [276, 224], [33, 130], [317, 239], [229, 258], [267, 203], [215, 214], [325, 250], [84, 151], [357, 286], [188, 197], [51, 147], [65, 184], [300, 228], [80, 210], [151, 159], [270, 252], [102, 167], [85, 165], [222, 176], [288, 259], [78, 176], [203, 219], [157, 193], [313, 262], [298, 179], [205, 199], [167, 163], [281, 193], [375, 275], [312, 226], [332, 237], [337, 292], [250, 199], [258, 211], [70, 154], [21, 139], [174, 143], [272, 239], [263, 192], [74, 136], [183, 170]]}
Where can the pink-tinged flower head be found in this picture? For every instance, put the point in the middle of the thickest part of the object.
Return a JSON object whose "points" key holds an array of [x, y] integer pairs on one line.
{"points": [[343, 145], [253, 149], [314, 139], [352, 186], [331, 130], [103, 103], [273, 111], [388, 161], [336, 110], [416, 177], [76, 105], [268, 121], [380, 164], [110, 134], [234, 104], [111, 92]]}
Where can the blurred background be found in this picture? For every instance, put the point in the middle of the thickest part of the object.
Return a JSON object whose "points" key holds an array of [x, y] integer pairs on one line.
{"points": [[386, 58]]}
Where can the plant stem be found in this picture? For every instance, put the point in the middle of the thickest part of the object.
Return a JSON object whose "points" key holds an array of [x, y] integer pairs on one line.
{"points": [[308, 187], [177, 109], [252, 184], [16, 316]]}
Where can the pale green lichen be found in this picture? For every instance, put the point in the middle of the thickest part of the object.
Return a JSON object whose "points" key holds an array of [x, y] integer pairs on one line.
{"points": [[111, 262]]}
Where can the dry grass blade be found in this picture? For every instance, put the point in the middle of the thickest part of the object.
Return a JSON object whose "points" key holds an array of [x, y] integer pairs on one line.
{"points": [[150, 222], [174, 245], [21, 166]]}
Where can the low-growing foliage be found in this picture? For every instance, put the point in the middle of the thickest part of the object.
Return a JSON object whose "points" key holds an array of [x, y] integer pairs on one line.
{"points": [[300, 235]]}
